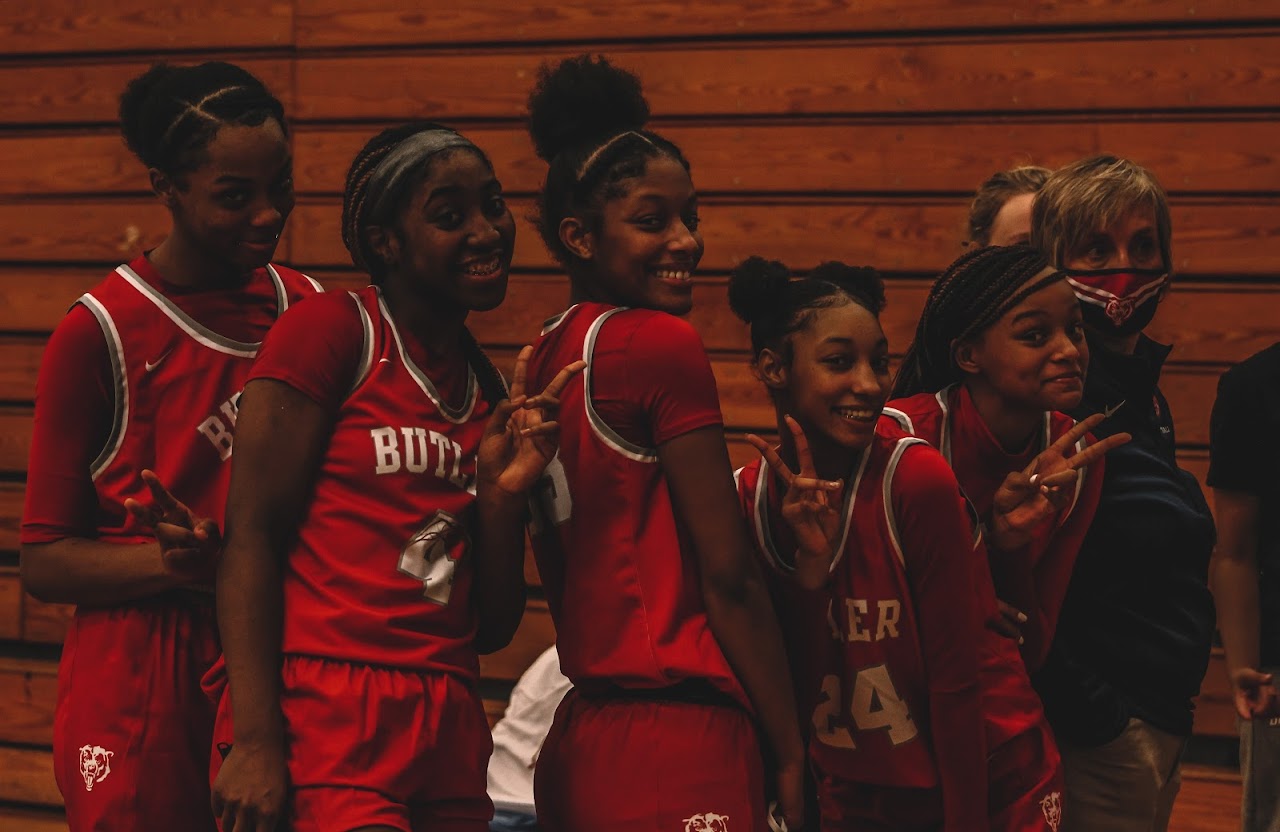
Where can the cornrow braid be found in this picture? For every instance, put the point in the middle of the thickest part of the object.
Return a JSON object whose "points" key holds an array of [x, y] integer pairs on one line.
{"points": [[169, 115], [971, 295]]}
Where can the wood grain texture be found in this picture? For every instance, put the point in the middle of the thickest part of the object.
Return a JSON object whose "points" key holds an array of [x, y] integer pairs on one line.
{"points": [[335, 23], [78, 26], [1066, 73], [26, 776], [28, 692]]}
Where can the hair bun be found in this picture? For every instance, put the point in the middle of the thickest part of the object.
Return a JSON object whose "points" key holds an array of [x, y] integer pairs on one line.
{"points": [[862, 282], [136, 117], [756, 287], [581, 100]]}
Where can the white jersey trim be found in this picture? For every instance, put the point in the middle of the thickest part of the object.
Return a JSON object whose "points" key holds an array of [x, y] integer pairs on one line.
{"points": [[366, 347], [944, 446], [555, 320], [198, 331], [119, 373], [456, 415], [890, 470], [764, 536], [603, 432], [903, 420]]}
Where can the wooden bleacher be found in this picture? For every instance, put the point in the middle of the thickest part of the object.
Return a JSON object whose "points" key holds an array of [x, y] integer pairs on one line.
{"points": [[841, 130]]}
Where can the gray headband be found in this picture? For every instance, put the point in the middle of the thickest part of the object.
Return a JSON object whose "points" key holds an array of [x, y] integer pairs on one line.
{"points": [[406, 157]]}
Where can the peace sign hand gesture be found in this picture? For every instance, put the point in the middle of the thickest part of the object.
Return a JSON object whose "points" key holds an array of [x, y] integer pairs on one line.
{"points": [[1029, 497], [522, 435], [810, 506], [189, 545]]}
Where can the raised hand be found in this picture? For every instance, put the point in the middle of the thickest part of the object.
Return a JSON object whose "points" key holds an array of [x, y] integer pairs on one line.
{"points": [[522, 435], [189, 544], [1029, 497], [811, 507]]}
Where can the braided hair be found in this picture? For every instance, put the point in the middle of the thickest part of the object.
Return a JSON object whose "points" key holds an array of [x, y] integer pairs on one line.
{"points": [[972, 294], [357, 216], [586, 119], [764, 294], [170, 114]]}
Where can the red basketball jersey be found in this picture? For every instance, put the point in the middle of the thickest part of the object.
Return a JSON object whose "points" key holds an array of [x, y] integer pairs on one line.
{"points": [[1034, 579], [620, 574], [380, 572], [177, 387]]}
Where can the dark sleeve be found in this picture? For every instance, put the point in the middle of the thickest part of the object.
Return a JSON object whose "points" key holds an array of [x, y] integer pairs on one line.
{"points": [[75, 405], [944, 567], [1237, 423], [315, 348]]}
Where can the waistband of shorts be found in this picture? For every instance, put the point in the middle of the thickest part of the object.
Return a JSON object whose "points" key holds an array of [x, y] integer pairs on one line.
{"points": [[685, 692]]}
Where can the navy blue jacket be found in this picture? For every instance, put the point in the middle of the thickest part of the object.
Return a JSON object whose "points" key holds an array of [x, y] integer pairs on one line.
{"points": [[1138, 620]]}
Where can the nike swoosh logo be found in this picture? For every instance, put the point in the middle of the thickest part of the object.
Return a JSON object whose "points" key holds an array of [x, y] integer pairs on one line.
{"points": [[384, 360], [151, 365]]}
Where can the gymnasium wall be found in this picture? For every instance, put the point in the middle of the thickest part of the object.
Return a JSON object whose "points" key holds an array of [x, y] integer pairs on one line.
{"points": [[817, 129]]}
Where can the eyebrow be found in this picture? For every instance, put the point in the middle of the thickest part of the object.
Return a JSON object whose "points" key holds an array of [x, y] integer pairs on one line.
{"points": [[230, 178], [1030, 313]]}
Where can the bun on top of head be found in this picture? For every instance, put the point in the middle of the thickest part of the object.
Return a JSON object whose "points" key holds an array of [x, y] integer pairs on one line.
{"points": [[757, 288], [583, 101], [862, 283]]}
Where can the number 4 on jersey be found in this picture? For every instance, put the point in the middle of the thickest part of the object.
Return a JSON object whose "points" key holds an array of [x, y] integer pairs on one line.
{"points": [[432, 555], [874, 706]]}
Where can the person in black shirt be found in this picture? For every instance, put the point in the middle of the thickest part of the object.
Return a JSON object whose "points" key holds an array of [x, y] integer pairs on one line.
{"points": [[1133, 640], [1244, 444]]}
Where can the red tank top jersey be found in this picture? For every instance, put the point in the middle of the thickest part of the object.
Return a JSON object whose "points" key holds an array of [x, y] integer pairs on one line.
{"points": [[1034, 579], [619, 572], [177, 387], [379, 573]]}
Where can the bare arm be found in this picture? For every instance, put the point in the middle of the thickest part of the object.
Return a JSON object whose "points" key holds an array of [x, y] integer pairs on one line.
{"points": [[1233, 577], [280, 440], [739, 612]]}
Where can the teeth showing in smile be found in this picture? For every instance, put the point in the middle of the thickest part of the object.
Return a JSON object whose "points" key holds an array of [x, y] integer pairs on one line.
{"points": [[855, 415], [484, 267], [671, 274]]}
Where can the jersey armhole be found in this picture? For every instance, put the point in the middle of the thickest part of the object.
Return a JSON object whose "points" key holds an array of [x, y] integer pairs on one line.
{"points": [[891, 469], [366, 347], [119, 387], [606, 434]]}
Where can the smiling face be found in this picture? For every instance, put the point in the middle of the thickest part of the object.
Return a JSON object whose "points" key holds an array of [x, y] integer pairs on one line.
{"points": [[837, 380], [231, 208], [1012, 225], [454, 238], [647, 245], [1035, 356]]}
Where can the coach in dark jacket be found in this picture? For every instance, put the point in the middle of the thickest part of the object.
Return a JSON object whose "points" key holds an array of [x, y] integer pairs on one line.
{"points": [[1133, 639]]}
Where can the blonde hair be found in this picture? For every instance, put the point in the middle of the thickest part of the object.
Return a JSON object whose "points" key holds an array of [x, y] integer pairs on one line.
{"points": [[1092, 194], [995, 192]]}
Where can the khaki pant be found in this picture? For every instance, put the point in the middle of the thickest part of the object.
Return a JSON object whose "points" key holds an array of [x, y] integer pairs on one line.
{"points": [[1127, 785]]}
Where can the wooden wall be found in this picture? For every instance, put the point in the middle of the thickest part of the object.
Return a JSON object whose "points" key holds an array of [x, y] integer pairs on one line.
{"points": [[817, 129]]}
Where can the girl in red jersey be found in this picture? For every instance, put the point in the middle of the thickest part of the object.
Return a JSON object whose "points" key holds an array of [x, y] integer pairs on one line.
{"points": [[663, 621], [999, 353], [375, 522], [922, 718], [144, 374]]}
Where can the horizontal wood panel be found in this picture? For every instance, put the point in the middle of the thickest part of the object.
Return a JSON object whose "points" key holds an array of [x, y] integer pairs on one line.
{"points": [[88, 90], [1018, 75], [1207, 322], [28, 692], [15, 438], [31, 820], [334, 23], [26, 775], [36, 26], [10, 519], [10, 604], [1190, 156], [1212, 237]]}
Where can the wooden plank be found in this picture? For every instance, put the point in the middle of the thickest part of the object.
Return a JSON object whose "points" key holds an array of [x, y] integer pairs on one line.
{"points": [[1213, 237], [35, 298], [28, 693], [34, 26], [11, 495], [88, 90], [19, 366], [43, 163], [44, 623], [1215, 713], [933, 156], [10, 604], [536, 634], [333, 23], [31, 820], [1209, 801], [26, 775], [1010, 74], [15, 438]]}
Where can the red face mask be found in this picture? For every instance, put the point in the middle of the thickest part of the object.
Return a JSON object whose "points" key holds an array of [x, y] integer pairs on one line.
{"points": [[1118, 301]]}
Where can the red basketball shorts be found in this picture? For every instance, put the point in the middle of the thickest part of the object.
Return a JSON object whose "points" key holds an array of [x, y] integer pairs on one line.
{"points": [[636, 765], [132, 728], [374, 746]]}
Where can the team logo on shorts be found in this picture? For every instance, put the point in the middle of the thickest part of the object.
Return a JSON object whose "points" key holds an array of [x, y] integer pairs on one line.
{"points": [[707, 822], [1051, 805], [95, 764]]}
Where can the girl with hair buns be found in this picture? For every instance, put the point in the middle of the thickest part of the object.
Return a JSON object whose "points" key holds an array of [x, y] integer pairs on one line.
{"points": [[998, 358], [375, 520], [139, 385], [901, 678], [663, 619]]}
